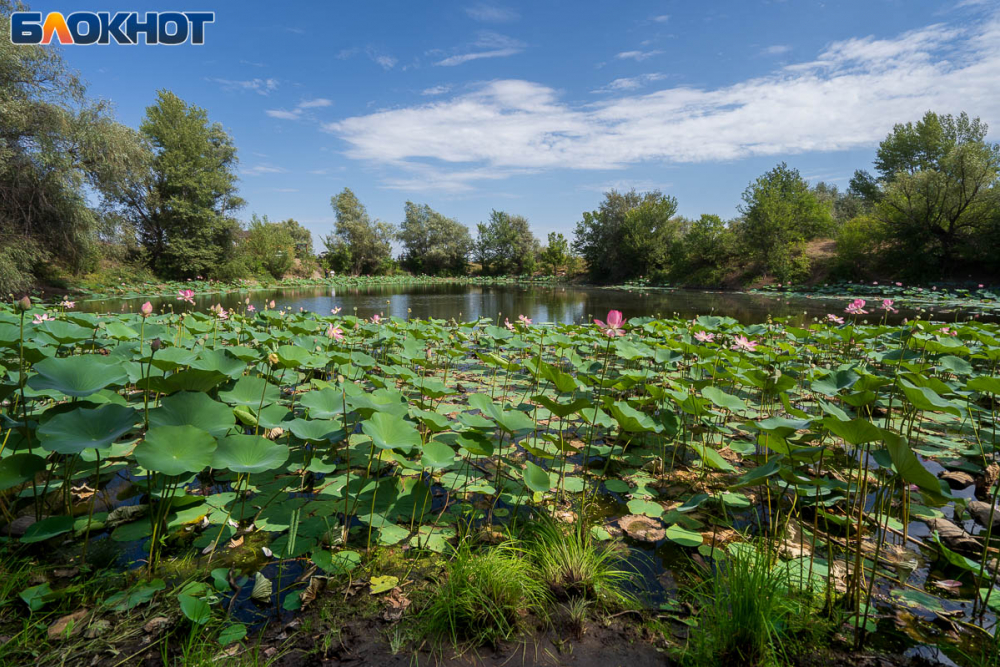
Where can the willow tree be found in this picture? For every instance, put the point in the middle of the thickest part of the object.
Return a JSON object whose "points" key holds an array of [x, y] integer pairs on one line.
{"points": [[55, 144]]}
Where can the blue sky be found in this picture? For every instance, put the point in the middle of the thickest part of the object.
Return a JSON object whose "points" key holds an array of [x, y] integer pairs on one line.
{"points": [[537, 108]]}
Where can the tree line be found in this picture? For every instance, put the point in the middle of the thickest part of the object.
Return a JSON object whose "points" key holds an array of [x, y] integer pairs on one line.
{"points": [[81, 192]]}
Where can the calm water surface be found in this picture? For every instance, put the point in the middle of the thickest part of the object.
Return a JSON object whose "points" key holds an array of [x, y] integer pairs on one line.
{"points": [[564, 304]]}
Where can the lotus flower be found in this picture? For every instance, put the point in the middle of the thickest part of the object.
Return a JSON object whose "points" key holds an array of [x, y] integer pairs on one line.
{"points": [[523, 319], [506, 323], [66, 303], [856, 307], [271, 305], [335, 310], [185, 295], [614, 325], [251, 308], [744, 344], [899, 284], [44, 317], [146, 309], [833, 318], [376, 319], [887, 306], [334, 332], [704, 337]]}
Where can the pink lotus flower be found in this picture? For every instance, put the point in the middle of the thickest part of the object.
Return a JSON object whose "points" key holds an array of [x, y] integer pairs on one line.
{"points": [[704, 337], [945, 330], [44, 317], [146, 309], [335, 310], [887, 306], [334, 332], [185, 295], [981, 286], [251, 308], [271, 305], [523, 320], [376, 319], [833, 318], [506, 323], [614, 325], [899, 284], [874, 282], [857, 307], [744, 344], [67, 304]]}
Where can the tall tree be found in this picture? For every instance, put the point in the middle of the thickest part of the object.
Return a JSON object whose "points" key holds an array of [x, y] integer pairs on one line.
{"points": [[301, 236], [555, 254], [270, 246], [54, 143], [433, 243], [505, 245], [780, 213], [629, 235], [184, 204], [358, 244], [940, 190]]}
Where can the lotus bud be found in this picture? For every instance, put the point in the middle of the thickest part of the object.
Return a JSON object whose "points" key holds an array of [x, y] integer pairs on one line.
{"points": [[146, 309], [155, 344], [24, 304], [271, 305], [272, 358]]}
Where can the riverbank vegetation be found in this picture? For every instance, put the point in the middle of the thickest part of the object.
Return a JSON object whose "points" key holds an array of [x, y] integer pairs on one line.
{"points": [[259, 485], [84, 195]]}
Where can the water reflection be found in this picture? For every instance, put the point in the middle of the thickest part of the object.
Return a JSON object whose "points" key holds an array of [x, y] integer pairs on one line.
{"points": [[565, 304]]}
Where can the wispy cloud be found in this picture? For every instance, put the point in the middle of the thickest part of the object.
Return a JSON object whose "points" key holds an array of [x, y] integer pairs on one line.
{"points": [[847, 97], [300, 109], [384, 60], [630, 83], [488, 13], [261, 169], [638, 56], [436, 90], [776, 50], [259, 86], [488, 44], [662, 18]]}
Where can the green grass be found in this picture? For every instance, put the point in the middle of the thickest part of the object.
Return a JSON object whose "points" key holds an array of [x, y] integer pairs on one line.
{"points": [[747, 613], [484, 597], [574, 565]]}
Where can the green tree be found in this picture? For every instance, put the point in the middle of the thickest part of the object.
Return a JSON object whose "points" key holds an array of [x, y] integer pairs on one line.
{"points": [[939, 191], [269, 246], [631, 234], [433, 243], [708, 244], [505, 245], [183, 205], [54, 144], [301, 236], [780, 213], [555, 254], [358, 244]]}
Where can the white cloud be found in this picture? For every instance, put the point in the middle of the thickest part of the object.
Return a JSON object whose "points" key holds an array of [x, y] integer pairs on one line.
{"points": [[300, 109], [283, 114], [261, 169], [638, 56], [776, 50], [662, 18], [315, 103], [259, 86], [848, 97], [386, 62], [487, 13], [435, 90], [630, 83], [488, 44]]}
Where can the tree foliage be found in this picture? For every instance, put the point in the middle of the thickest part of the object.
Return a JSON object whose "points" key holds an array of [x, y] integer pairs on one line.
{"points": [[433, 243], [629, 235], [183, 204], [358, 244], [505, 245], [780, 213], [555, 254], [54, 143], [270, 246]]}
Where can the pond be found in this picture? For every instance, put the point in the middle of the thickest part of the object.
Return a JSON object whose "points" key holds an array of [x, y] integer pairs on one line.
{"points": [[564, 304]]}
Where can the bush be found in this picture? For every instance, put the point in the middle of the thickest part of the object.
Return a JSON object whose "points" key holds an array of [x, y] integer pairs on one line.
{"points": [[18, 259], [859, 245]]}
